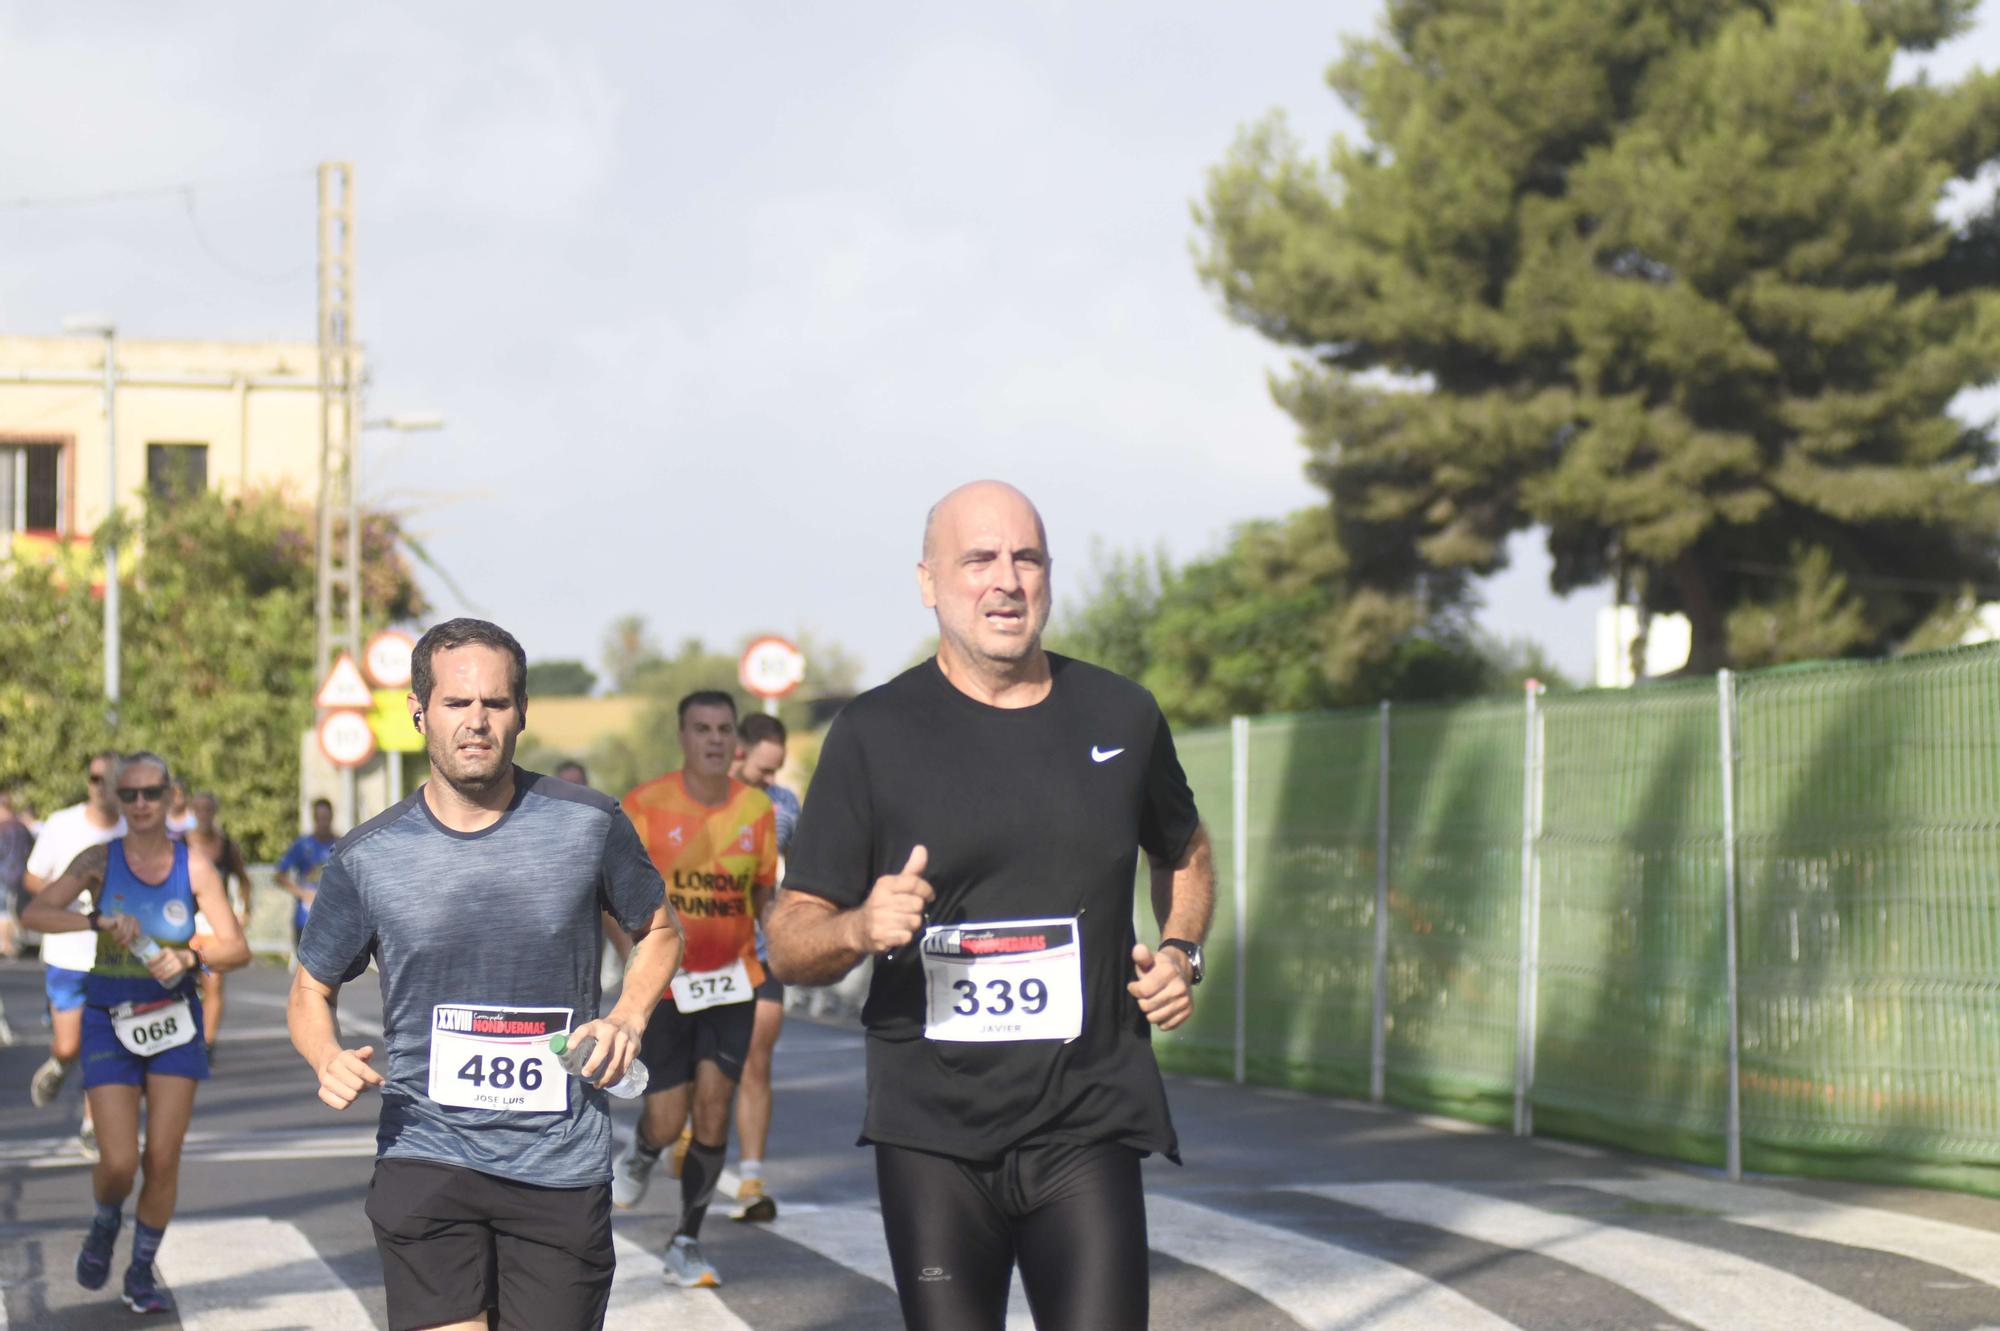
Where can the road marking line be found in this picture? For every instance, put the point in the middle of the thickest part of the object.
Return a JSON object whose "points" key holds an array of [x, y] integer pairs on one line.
{"points": [[641, 1296], [252, 1274], [1322, 1286], [1709, 1287], [853, 1239], [1960, 1248], [310, 1144], [349, 1021]]}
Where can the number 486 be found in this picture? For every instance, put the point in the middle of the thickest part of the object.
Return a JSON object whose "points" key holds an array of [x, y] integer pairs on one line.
{"points": [[502, 1072]]}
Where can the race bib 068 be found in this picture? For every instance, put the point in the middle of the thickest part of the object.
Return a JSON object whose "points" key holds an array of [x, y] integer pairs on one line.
{"points": [[497, 1058], [151, 1028], [1003, 980]]}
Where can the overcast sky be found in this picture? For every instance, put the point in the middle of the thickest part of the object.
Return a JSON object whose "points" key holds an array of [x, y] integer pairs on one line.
{"points": [[716, 299]]}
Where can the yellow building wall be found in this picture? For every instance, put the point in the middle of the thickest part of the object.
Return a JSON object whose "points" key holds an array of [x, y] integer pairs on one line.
{"points": [[255, 405]]}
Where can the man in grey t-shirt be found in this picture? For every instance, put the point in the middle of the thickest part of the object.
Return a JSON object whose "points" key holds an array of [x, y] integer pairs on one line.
{"points": [[478, 897]]}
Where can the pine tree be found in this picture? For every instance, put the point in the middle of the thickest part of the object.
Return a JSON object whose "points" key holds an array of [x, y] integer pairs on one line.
{"points": [[1672, 279]]}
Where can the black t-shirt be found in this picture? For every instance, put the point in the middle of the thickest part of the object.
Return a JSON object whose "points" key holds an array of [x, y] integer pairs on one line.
{"points": [[1026, 813]]}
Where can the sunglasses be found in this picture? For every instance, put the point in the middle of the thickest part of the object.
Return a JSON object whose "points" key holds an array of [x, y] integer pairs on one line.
{"points": [[133, 794]]}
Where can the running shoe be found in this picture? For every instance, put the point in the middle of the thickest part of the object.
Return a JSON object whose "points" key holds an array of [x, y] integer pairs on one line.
{"points": [[678, 1156], [630, 1173], [86, 1141], [93, 1260], [47, 1083], [142, 1293], [753, 1203], [686, 1266]]}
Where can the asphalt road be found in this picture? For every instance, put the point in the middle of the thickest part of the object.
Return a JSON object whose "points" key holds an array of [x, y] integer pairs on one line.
{"points": [[1290, 1212]]}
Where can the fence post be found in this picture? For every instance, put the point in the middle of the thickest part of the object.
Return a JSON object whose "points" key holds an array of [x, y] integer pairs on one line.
{"points": [[1239, 846], [1531, 912], [1378, 1038], [1725, 691]]}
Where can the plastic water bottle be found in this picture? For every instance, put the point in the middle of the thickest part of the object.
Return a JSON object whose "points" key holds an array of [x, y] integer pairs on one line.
{"points": [[628, 1087], [145, 949]]}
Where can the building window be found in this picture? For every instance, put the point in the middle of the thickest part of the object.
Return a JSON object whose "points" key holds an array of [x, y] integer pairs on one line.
{"points": [[176, 471], [31, 487]]}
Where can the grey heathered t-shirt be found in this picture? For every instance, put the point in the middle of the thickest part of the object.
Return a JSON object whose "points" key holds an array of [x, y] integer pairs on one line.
{"points": [[503, 921]]}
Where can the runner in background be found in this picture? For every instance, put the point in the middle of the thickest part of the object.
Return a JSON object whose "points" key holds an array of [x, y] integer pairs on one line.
{"points": [[16, 841], [221, 850], [617, 942], [68, 957], [299, 867], [760, 755], [180, 817], [715, 842], [142, 1020]]}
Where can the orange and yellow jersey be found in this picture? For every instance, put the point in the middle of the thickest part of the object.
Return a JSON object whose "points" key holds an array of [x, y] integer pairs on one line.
{"points": [[711, 859]]}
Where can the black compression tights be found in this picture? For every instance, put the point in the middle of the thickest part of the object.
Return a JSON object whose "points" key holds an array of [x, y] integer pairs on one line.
{"points": [[1073, 1216]]}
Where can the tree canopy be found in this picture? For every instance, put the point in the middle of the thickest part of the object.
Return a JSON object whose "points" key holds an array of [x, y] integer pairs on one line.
{"points": [[1671, 279], [216, 649], [560, 679]]}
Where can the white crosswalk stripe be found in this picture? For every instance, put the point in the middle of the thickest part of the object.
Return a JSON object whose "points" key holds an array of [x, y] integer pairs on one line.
{"points": [[1323, 1287], [641, 1296], [251, 1274], [853, 1238], [1960, 1248], [1716, 1290]]}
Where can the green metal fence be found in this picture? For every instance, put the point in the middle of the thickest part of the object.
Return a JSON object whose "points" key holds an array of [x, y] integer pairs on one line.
{"points": [[1751, 921]]}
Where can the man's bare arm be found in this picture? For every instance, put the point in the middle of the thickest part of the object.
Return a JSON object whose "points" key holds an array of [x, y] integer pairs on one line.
{"points": [[813, 941], [1184, 891], [1183, 902], [309, 1015], [49, 912]]}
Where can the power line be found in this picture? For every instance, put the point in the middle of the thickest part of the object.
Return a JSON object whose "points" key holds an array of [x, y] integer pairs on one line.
{"points": [[181, 189]]}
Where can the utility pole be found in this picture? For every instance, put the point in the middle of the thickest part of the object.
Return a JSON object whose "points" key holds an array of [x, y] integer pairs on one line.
{"points": [[338, 563]]}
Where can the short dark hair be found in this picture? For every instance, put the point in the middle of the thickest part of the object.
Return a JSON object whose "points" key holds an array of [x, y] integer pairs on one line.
{"points": [[758, 728], [323, 803], [705, 698], [465, 633], [572, 765]]}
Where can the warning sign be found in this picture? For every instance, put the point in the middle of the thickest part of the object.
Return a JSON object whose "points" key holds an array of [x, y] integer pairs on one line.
{"points": [[344, 687]]}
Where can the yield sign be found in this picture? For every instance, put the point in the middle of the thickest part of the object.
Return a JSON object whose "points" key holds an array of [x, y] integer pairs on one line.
{"points": [[344, 687]]}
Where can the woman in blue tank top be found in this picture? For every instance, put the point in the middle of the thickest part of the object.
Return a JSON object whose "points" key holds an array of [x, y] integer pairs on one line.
{"points": [[142, 1014]]}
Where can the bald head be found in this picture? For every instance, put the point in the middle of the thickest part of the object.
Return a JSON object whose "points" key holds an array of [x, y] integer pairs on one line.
{"points": [[985, 498]]}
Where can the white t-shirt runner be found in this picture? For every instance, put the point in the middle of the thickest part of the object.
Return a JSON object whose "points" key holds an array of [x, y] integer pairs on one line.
{"points": [[66, 835]]}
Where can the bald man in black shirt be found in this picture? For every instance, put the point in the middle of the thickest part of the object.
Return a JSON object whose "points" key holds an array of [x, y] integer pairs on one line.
{"points": [[975, 825]]}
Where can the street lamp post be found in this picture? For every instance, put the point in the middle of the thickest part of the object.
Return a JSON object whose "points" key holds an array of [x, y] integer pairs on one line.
{"points": [[402, 423], [107, 330]]}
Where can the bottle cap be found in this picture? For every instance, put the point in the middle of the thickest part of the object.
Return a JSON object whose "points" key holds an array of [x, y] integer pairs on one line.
{"points": [[558, 1043]]}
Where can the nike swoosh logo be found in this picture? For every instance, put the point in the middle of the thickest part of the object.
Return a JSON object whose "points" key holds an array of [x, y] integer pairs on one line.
{"points": [[1098, 755]]}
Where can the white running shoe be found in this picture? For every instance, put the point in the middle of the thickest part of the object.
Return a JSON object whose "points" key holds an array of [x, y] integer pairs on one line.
{"points": [[630, 1173], [86, 1141], [753, 1203], [686, 1266], [47, 1083]]}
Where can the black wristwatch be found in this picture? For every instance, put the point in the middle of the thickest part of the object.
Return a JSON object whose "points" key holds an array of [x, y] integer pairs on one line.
{"points": [[1193, 951], [93, 917]]}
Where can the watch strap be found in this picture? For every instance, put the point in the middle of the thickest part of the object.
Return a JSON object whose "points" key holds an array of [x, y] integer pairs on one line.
{"points": [[1193, 953]]}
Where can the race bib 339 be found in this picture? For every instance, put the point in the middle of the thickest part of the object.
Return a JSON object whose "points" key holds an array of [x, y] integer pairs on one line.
{"points": [[1003, 980]]}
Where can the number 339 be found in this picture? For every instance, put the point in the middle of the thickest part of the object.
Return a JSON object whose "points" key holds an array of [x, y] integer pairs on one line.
{"points": [[1034, 996]]}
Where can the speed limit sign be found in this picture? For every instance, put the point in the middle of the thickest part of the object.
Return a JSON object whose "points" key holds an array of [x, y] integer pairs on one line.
{"points": [[346, 738], [771, 667]]}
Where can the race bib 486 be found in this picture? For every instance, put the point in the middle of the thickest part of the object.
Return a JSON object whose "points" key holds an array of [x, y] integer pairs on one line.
{"points": [[1003, 980], [497, 1058]]}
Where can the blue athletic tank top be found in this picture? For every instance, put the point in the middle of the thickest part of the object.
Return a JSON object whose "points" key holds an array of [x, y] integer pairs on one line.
{"points": [[165, 912]]}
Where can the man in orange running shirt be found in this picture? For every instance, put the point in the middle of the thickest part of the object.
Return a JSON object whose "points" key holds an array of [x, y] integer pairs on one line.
{"points": [[715, 841]]}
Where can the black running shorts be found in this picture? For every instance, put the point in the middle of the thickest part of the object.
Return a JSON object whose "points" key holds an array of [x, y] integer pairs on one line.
{"points": [[1072, 1216], [675, 1041], [455, 1242]]}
